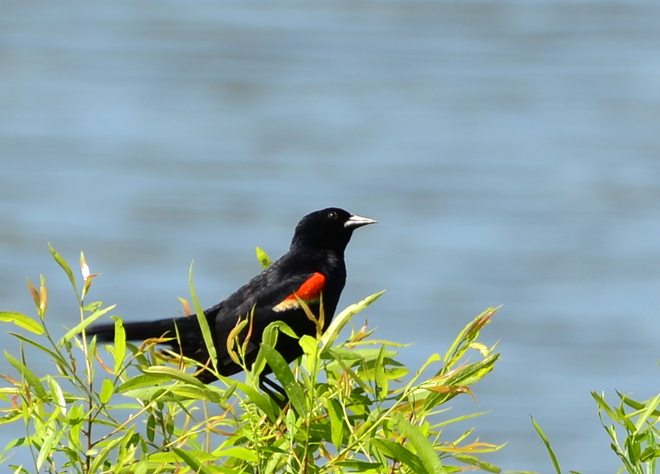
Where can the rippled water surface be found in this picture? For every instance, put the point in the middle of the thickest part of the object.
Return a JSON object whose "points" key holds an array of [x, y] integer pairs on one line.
{"points": [[509, 151]]}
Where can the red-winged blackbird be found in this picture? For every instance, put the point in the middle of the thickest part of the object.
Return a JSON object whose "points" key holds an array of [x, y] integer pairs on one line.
{"points": [[313, 270]]}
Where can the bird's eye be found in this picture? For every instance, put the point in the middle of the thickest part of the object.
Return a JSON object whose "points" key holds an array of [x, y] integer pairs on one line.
{"points": [[332, 215]]}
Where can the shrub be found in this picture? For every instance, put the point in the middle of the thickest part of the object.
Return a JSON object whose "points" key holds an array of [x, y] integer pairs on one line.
{"points": [[126, 409]]}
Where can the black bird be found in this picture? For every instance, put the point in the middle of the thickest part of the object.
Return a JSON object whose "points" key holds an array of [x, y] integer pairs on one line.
{"points": [[313, 270]]}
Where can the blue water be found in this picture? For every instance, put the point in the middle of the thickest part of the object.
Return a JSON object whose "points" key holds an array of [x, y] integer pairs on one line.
{"points": [[508, 150]]}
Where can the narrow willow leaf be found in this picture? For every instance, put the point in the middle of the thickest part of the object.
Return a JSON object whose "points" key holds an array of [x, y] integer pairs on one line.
{"points": [[233, 340], [22, 321], [175, 374], [644, 415], [365, 355], [258, 399], [28, 375], [85, 323], [269, 338], [51, 438], [338, 323], [602, 404], [12, 415], [270, 333], [43, 297], [423, 446], [203, 323], [351, 373], [336, 421], [36, 297], [359, 466], [469, 333], [544, 438], [57, 394], [107, 390], [310, 347], [151, 428], [56, 356], [141, 381], [141, 467], [382, 383], [431, 360], [399, 453], [99, 457], [263, 258], [238, 452], [191, 392], [283, 373], [65, 266], [190, 458], [475, 461], [75, 425], [635, 404], [119, 352]]}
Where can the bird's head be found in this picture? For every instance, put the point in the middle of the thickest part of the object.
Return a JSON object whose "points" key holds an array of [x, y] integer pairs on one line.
{"points": [[328, 229]]}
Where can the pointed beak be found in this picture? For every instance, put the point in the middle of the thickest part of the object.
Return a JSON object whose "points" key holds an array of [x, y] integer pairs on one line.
{"points": [[354, 222]]}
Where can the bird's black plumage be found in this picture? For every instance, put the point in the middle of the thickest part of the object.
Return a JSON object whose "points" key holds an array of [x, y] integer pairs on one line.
{"points": [[313, 270]]}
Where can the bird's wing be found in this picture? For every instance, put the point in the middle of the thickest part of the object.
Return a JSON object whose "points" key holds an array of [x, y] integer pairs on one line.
{"points": [[266, 298]]}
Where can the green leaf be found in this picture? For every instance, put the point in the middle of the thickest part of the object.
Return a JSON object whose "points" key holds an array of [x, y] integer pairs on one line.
{"points": [[65, 266], [119, 352], [258, 399], [462, 342], [359, 466], [545, 440], [269, 338], [270, 334], [350, 372], [382, 383], [140, 381], [602, 404], [151, 428], [263, 258], [283, 373], [475, 461], [238, 452], [22, 321], [141, 467], [338, 323], [107, 390], [432, 359], [648, 410], [399, 453], [56, 394], [423, 446], [203, 323], [98, 458], [190, 458], [310, 347], [85, 323], [56, 356], [191, 392], [28, 375], [51, 438], [336, 421], [172, 373], [74, 420]]}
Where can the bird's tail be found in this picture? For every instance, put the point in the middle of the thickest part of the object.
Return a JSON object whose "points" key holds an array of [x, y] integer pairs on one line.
{"points": [[138, 331], [189, 343]]}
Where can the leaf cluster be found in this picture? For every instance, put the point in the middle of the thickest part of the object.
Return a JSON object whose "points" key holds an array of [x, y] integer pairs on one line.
{"points": [[352, 407]]}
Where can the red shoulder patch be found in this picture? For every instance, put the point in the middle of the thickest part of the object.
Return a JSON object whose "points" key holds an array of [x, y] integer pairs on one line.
{"points": [[309, 291]]}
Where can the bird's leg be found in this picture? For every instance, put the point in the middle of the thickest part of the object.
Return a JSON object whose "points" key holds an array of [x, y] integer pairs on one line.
{"points": [[276, 392]]}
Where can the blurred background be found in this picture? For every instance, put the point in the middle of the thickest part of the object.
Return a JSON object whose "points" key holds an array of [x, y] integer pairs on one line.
{"points": [[509, 151]]}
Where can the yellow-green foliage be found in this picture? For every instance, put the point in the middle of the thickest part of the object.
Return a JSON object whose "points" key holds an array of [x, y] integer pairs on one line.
{"points": [[125, 409]]}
